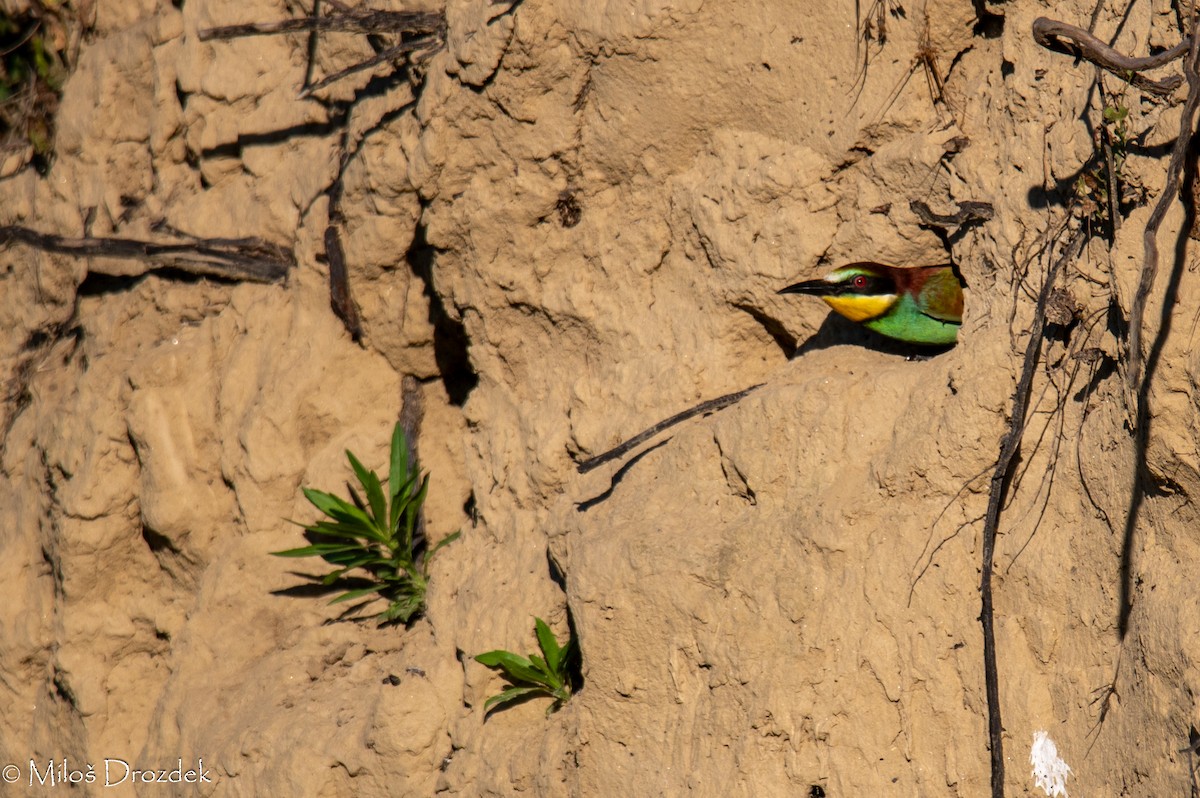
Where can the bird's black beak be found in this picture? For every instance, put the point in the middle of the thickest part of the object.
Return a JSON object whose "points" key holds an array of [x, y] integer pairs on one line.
{"points": [[806, 287]]}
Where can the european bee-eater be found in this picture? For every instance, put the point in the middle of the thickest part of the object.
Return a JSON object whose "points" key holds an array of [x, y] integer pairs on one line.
{"points": [[920, 305]]}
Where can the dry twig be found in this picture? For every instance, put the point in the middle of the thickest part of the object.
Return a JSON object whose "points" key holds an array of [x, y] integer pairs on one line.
{"points": [[969, 212], [246, 259], [1064, 38], [420, 33], [704, 408], [1009, 448], [1170, 191], [345, 20]]}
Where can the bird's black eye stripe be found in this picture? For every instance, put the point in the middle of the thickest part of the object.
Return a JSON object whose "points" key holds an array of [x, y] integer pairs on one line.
{"points": [[874, 286]]}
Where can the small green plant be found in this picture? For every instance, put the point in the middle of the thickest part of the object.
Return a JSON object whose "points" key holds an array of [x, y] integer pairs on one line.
{"points": [[379, 536], [33, 46], [549, 674], [1099, 187]]}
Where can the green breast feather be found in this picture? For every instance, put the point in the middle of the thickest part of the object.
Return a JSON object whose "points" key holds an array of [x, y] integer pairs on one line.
{"points": [[907, 321]]}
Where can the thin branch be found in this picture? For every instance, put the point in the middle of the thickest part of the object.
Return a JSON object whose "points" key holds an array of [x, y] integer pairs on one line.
{"points": [[350, 20], [704, 408], [1064, 38], [1095, 16], [390, 54], [1170, 191], [1010, 446], [17, 45], [420, 33], [246, 259], [968, 212], [1114, 187]]}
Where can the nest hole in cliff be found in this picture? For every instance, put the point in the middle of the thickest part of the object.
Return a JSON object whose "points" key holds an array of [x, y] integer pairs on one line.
{"points": [[450, 340], [988, 24]]}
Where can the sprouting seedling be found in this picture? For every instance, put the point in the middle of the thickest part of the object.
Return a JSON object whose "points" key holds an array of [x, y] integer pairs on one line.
{"points": [[378, 536], [548, 674], [1100, 185], [1117, 117], [1115, 113]]}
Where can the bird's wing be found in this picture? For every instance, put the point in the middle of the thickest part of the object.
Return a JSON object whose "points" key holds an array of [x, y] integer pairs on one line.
{"points": [[941, 296]]}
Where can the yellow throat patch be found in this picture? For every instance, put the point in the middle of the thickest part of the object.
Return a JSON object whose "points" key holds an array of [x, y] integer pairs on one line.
{"points": [[860, 308]]}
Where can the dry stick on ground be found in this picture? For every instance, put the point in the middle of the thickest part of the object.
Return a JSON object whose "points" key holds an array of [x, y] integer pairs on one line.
{"points": [[1064, 38], [924, 58], [427, 32], [704, 408], [1008, 453], [1056, 414], [968, 212], [1114, 187], [344, 20], [427, 29], [1170, 191], [872, 27], [1095, 17], [243, 259], [1060, 36], [390, 54]]}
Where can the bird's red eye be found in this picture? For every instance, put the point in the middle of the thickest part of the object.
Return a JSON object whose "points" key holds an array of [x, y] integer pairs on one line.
{"points": [[861, 281]]}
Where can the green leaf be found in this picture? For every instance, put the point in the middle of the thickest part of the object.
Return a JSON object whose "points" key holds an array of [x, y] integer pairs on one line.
{"points": [[336, 529], [333, 576], [403, 609], [510, 694], [404, 568], [519, 669], [515, 666], [369, 537], [316, 550], [350, 595], [397, 471], [373, 487], [361, 556], [549, 677], [396, 513], [567, 655], [549, 645], [494, 659], [351, 558], [339, 509], [304, 551], [453, 536], [414, 507], [419, 499], [404, 493], [369, 559]]}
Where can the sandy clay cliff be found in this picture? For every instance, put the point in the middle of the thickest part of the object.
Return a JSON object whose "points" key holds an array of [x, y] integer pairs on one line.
{"points": [[568, 223]]}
